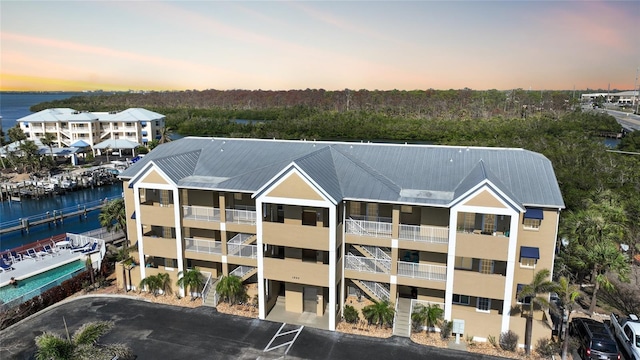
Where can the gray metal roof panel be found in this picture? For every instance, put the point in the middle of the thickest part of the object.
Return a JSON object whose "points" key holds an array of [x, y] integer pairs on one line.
{"points": [[384, 172]]}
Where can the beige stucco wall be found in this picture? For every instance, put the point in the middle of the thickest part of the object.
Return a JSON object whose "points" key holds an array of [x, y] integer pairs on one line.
{"points": [[485, 199], [153, 177], [293, 297], [296, 188], [300, 236]]}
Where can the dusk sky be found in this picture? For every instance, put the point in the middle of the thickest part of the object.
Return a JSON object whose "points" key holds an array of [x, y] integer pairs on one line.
{"points": [[383, 45]]}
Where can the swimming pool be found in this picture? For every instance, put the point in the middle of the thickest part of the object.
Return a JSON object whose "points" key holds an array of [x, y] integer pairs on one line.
{"points": [[35, 285]]}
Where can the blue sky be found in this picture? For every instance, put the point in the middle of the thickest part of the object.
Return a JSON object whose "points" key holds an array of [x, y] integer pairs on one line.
{"points": [[176, 45]]}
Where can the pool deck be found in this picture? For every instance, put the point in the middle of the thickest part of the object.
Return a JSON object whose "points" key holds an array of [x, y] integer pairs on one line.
{"points": [[29, 267]]}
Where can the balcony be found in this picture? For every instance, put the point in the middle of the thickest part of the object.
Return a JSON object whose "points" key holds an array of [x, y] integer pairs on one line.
{"points": [[481, 246], [159, 246], [237, 216], [422, 271], [243, 251], [201, 213], [300, 236], [474, 283], [379, 229], [425, 234], [365, 264], [203, 246]]}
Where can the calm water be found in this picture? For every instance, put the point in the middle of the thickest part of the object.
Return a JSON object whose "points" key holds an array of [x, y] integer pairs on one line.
{"points": [[12, 107], [61, 273]]}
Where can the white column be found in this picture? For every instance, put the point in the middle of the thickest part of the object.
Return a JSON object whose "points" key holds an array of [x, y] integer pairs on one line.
{"points": [[451, 261], [136, 194], [511, 262], [332, 267], [262, 304], [178, 227]]}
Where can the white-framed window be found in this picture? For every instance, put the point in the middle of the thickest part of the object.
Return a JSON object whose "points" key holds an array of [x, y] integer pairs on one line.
{"points": [[469, 221], [527, 262], [531, 224], [483, 304], [461, 299], [526, 300], [464, 263]]}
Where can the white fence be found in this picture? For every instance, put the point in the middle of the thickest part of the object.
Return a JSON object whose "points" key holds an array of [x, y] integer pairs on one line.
{"points": [[240, 216], [429, 234], [422, 271], [365, 264], [201, 213], [203, 246], [368, 228]]}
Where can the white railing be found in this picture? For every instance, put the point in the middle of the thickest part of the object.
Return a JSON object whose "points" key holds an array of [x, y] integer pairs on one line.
{"points": [[244, 251], [377, 289], [429, 234], [365, 264], [207, 285], [203, 246], [241, 271], [376, 252], [240, 238], [240, 216], [422, 271], [368, 228], [201, 213]]}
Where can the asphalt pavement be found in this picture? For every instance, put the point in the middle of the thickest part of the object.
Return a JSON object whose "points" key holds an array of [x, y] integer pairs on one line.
{"points": [[157, 331]]}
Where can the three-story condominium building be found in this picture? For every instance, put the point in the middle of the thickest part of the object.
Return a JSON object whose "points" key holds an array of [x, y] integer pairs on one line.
{"points": [[311, 222], [69, 126]]}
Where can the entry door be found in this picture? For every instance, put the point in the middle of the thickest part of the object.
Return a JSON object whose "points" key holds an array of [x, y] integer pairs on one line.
{"points": [[310, 298]]}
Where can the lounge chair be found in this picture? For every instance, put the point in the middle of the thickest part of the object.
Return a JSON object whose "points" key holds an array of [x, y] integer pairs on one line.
{"points": [[15, 257], [91, 249], [4, 266], [31, 254], [80, 247], [6, 258], [50, 251]]}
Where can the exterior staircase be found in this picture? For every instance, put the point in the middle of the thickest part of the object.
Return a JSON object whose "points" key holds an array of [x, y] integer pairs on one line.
{"points": [[402, 321], [374, 290], [244, 272], [211, 298]]}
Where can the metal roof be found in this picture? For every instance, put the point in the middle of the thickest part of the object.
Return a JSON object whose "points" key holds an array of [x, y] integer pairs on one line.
{"points": [[67, 114], [421, 174]]}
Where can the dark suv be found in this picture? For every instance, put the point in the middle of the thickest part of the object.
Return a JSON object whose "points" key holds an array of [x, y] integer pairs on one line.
{"points": [[595, 340]]}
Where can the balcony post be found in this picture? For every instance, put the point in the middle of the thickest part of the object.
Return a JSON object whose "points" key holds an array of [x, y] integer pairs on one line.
{"points": [[395, 222]]}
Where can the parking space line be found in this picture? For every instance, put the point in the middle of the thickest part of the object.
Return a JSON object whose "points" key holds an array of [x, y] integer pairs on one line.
{"points": [[287, 343]]}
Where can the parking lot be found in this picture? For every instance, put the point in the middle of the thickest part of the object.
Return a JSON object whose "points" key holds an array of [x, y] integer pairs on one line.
{"points": [[156, 331]]}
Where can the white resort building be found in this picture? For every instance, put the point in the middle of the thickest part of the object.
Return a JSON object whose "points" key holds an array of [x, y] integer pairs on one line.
{"points": [[312, 223], [70, 126]]}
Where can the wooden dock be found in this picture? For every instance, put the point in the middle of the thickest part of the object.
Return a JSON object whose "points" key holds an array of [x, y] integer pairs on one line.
{"points": [[52, 218]]}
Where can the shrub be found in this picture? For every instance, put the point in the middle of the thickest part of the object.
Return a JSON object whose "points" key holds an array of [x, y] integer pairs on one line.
{"points": [[351, 314], [509, 341], [547, 347], [492, 341], [445, 329]]}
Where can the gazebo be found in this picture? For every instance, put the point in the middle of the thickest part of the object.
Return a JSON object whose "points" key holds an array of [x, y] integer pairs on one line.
{"points": [[117, 145]]}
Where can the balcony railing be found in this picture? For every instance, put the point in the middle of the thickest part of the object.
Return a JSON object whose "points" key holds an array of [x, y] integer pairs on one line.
{"points": [[241, 271], [201, 213], [240, 238], [243, 251], [203, 246], [240, 216], [368, 228], [365, 264], [422, 271], [429, 234]]}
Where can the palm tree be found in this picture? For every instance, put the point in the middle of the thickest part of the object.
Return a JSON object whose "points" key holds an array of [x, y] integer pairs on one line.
{"points": [[231, 290], [603, 258], [49, 140], [429, 315], [379, 313], [164, 283], [83, 344], [165, 135], [113, 217], [191, 279], [568, 294], [152, 282], [532, 291]]}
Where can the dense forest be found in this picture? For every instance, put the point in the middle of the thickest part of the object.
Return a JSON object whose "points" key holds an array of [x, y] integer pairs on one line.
{"points": [[601, 188]]}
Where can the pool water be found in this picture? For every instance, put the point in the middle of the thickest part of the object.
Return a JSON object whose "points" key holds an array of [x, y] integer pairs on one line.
{"points": [[28, 285]]}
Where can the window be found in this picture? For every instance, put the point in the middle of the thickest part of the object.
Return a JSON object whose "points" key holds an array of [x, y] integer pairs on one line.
{"points": [[527, 262], [170, 263], [483, 304], [486, 266], [237, 196], [469, 221], [526, 300], [461, 299], [406, 209], [309, 218], [464, 263], [489, 223], [531, 224]]}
